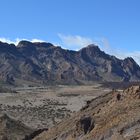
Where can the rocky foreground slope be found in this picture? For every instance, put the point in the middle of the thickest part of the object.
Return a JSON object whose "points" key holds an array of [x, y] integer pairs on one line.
{"points": [[44, 63], [114, 116]]}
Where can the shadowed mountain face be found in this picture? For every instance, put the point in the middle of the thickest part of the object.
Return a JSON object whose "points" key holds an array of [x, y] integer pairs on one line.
{"points": [[45, 63]]}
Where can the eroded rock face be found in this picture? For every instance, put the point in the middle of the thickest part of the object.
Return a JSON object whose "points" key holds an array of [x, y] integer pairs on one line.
{"points": [[44, 63], [114, 116]]}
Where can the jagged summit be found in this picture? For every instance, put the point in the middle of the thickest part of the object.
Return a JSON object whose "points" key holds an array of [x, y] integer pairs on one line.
{"points": [[25, 43], [44, 63], [129, 59], [91, 47]]}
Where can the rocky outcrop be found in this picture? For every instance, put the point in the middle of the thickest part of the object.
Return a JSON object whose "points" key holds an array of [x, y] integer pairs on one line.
{"points": [[43, 63]]}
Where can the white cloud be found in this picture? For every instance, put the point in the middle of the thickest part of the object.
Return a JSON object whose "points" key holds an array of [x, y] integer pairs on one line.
{"points": [[17, 40], [6, 40], [36, 40], [75, 42]]}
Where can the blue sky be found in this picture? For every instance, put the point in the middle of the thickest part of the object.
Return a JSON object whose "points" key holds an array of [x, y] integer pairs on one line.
{"points": [[113, 24]]}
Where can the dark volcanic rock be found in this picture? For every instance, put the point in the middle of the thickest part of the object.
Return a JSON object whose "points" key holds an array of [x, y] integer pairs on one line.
{"points": [[29, 63]]}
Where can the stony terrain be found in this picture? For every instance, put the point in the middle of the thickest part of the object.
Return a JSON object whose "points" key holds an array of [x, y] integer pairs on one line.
{"points": [[113, 116], [43, 63]]}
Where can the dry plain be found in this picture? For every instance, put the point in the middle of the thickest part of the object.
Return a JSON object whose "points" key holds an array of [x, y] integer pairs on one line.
{"points": [[44, 106]]}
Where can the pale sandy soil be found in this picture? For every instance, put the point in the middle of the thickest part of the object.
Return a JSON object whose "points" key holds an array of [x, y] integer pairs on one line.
{"points": [[40, 107]]}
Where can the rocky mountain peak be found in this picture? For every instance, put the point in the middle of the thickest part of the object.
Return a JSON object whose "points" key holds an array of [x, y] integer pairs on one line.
{"points": [[24, 43], [129, 62], [91, 47], [33, 45], [129, 59]]}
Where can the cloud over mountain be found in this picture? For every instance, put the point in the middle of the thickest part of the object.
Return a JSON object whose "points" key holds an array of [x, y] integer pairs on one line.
{"points": [[17, 40], [75, 41]]}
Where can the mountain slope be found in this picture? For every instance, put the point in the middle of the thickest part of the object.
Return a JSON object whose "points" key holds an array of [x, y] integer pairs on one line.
{"points": [[44, 63], [114, 116]]}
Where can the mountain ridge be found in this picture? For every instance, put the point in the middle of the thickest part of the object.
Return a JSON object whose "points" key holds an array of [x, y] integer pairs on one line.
{"points": [[44, 63]]}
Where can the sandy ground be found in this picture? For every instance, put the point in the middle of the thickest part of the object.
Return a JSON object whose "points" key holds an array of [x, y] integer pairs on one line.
{"points": [[41, 107]]}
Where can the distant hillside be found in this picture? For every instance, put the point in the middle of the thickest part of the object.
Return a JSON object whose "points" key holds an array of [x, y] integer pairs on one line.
{"points": [[44, 63]]}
